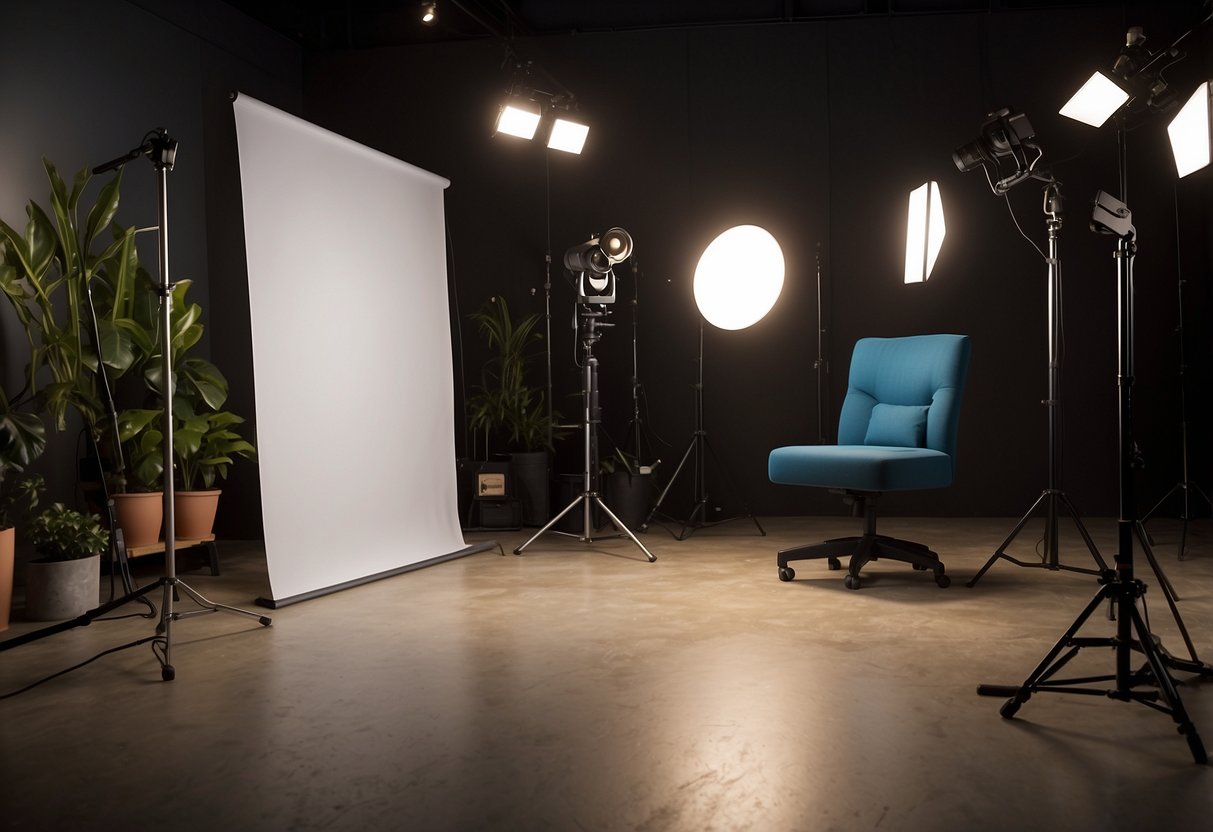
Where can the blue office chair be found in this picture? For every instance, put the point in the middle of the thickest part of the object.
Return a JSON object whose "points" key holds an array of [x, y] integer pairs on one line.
{"points": [[897, 432]]}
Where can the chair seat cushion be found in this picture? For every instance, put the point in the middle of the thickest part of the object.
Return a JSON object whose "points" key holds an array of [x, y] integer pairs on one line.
{"points": [[860, 467]]}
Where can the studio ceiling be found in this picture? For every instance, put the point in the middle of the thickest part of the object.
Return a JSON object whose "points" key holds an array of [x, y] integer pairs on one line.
{"points": [[355, 24]]}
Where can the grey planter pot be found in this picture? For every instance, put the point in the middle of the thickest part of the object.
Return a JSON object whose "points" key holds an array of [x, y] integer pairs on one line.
{"points": [[55, 590]]}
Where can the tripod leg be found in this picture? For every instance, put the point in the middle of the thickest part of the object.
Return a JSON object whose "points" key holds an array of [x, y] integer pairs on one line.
{"points": [[1024, 692], [1166, 686], [552, 522], [619, 524], [670, 483], [1001, 550], [213, 606], [1082, 530], [745, 502], [1167, 589]]}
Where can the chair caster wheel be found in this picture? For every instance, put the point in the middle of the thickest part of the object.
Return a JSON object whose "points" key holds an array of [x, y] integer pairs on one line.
{"points": [[833, 564], [851, 582], [1009, 708], [943, 581], [786, 573]]}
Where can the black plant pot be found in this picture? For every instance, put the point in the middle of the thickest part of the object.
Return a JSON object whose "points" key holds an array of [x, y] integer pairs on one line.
{"points": [[630, 496], [531, 486]]}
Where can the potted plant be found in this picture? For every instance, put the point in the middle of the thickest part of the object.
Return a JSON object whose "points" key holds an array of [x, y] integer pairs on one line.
{"points": [[22, 440], [508, 410], [64, 581], [205, 444], [136, 488]]}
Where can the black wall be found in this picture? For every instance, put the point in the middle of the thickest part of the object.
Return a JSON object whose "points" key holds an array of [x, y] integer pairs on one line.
{"points": [[818, 131]]}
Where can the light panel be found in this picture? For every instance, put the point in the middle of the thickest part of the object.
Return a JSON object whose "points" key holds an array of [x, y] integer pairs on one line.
{"points": [[518, 118], [1191, 131], [1095, 101], [568, 136], [925, 231], [739, 277]]}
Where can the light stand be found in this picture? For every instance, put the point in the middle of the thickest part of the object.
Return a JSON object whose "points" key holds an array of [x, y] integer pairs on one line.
{"points": [[162, 150], [1185, 486], [590, 320], [635, 428], [697, 452], [1053, 499], [820, 365], [1119, 587]]}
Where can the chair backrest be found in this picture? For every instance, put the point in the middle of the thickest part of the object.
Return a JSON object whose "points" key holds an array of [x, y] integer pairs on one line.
{"points": [[905, 392]]}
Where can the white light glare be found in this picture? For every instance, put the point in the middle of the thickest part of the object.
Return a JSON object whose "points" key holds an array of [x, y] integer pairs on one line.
{"points": [[568, 136], [1095, 101], [518, 121], [925, 231], [739, 277], [1191, 131]]}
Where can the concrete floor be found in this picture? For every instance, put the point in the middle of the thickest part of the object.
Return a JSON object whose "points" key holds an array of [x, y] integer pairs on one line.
{"points": [[578, 687]]}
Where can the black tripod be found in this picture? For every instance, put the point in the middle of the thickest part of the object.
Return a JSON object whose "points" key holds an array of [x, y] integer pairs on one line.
{"points": [[589, 320], [697, 453], [1119, 586], [1185, 486], [1053, 500]]}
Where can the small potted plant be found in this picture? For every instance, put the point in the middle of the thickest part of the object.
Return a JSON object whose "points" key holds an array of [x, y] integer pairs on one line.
{"points": [[64, 580], [205, 444], [138, 500]]}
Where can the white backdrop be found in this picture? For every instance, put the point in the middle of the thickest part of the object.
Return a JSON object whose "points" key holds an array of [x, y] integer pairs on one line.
{"points": [[351, 355]]}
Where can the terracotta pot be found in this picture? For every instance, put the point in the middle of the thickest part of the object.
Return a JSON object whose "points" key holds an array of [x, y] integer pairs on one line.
{"points": [[59, 589], [8, 539], [140, 517], [194, 513]]}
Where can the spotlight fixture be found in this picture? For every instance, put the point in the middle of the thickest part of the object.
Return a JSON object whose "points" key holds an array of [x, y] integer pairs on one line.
{"points": [[1095, 101], [739, 277], [593, 263], [924, 232], [1004, 135], [519, 117], [1191, 131], [429, 13]]}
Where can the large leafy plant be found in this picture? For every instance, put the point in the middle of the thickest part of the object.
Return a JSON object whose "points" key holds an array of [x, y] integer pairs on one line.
{"points": [[45, 273], [504, 405]]}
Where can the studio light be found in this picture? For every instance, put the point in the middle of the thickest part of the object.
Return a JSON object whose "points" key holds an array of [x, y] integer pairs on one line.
{"points": [[593, 262], [568, 135], [1191, 131], [1004, 135], [739, 277], [924, 232], [429, 13], [518, 117], [1095, 101]]}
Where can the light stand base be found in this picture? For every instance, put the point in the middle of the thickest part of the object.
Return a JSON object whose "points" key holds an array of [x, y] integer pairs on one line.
{"points": [[1123, 596], [587, 500], [1051, 499], [1185, 489], [699, 448]]}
